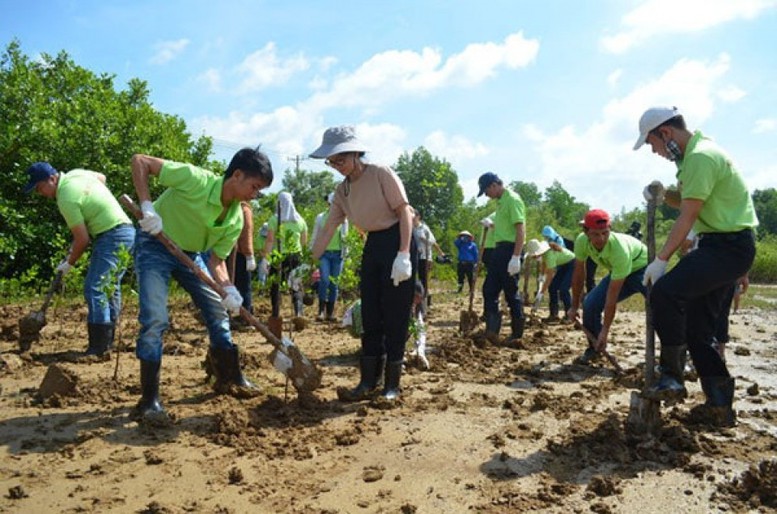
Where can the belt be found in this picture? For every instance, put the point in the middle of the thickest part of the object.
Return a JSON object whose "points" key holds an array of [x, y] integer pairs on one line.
{"points": [[728, 236], [120, 225]]}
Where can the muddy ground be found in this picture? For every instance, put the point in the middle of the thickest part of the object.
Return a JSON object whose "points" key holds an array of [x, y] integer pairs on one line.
{"points": [[487, 429]]}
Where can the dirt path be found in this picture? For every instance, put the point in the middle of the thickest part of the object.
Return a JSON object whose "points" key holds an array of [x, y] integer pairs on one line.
{"points": [[488, 429]]}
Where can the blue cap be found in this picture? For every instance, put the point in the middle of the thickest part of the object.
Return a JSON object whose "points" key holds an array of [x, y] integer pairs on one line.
{"points": [[38, 171], [551, 235], [485, 180]]}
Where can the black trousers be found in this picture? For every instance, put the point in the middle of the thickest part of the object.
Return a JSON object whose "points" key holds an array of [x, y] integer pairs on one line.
{"points": [[687, 301], [466, 269], [385, 307], [498, 280]]}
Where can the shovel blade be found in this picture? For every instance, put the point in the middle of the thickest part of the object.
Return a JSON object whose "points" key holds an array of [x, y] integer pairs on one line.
{"points": [[304, 375], [644, 415]]}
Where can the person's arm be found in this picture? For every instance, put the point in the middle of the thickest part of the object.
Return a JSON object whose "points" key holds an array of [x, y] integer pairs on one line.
{"points": [[689, 211], [247, 235], [303, 238], [268, 243], [610, 306], [80, 243], [324, 236], [142, 166], [550, 272], [520, 235], [405, 216], [578, 279], [439, 250]]}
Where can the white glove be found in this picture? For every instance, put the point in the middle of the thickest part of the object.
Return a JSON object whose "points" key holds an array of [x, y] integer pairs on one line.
{"points": [[487, 222], [151, 222], [64, 267], [250, 263], [232, 301], [514, 266], [660, 192], [401, 269], [654, 271], [264, 267]]}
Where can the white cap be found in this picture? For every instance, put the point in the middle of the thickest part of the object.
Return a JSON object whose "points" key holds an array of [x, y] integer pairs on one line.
{"points": [[651, 119]]}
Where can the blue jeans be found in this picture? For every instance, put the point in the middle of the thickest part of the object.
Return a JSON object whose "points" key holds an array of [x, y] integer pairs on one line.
{"points": [[330, 265], [102, 285], [559, 287], [154, 266], [593, 305]]}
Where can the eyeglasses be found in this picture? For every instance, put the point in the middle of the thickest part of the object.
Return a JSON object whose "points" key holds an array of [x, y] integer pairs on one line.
{"points": [[336, 161]]}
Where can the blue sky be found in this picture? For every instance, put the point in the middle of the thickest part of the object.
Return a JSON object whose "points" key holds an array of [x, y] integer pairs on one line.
{"points": [[534, 91]]}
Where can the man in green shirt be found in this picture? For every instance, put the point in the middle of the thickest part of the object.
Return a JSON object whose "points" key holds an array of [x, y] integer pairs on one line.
{"points": [[504, 264], [201, 213], [686, 302], [94, 216], [624, 256]]}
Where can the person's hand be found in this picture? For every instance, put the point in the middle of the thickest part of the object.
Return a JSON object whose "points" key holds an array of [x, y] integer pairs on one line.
{"points": [[232, 301], [401, 269], [654, 271], [537, 302], [250, 263], [601, 341], [151, 222], [64, 267], [487, 222], [659, 190], [514, 266], [572, 314]]}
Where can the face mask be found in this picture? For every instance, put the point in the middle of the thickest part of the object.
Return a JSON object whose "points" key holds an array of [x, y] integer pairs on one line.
{"points": [[673, 150]]}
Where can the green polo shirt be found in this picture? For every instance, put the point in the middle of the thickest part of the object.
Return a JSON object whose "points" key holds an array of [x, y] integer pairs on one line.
{"points": [[622, 254], [555, 258], [191, 206], [83, 199], [706, 173], [509, 211], [290, 234], [335, 244]]}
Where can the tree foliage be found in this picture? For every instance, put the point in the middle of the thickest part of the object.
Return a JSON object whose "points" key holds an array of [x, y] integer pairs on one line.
{"points": [[54, 110], [765, 202], [308, 187]]}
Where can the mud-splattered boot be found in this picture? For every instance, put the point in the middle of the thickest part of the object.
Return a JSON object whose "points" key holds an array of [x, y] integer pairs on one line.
{"points": [[371, 371], [670, 386]]}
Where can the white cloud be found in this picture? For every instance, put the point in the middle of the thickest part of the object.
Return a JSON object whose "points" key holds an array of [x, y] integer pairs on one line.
{"points": [[596, 163], [166, 51], [765, 125], [731, 94], [614, 77], [398, 73], [264, 68], [212, 79], [657, 17], [455, 148]]}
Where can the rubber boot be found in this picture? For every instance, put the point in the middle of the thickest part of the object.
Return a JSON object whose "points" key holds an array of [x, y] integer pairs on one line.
{"points": [[298, 305], [321, 307], [670, 386], [493, 325], [516, 328], [149, 407], [226, 367], [330, 311], [393, 374], [371, 370], [720, 398], [100, 338]]}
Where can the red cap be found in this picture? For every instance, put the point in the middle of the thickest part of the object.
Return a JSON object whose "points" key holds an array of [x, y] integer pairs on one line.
{"points": [[596, 219]]}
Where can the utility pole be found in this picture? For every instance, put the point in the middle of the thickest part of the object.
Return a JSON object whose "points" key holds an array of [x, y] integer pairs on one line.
{"points": [[296, 160]]}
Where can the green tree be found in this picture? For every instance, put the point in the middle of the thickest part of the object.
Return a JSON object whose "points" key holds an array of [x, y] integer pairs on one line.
{"points": [[54, 110], [432, 187], [765, 202], [529, 192], [308, 187], [565, 208]]}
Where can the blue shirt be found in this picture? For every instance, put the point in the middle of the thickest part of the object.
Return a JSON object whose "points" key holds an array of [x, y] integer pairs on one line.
{"points": [[468, 250]]}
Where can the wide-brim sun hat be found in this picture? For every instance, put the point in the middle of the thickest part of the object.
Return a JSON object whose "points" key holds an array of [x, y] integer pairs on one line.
{"points": [[465, 233], [535, 248], [338, 140]]}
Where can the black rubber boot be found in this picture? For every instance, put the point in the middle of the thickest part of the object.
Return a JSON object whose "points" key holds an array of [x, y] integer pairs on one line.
{"points": [[100, 338], [720, 398], [330, 311], [229, 376], [322, 305], [149, 407], [493, 325], [371, 370], [393, 374], [516, 327], [670, 386]]}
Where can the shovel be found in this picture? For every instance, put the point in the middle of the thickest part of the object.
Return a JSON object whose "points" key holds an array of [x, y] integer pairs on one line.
{"points": [[469, 319], [592, 343], [286, 357], [644, 414], [31, 325]]}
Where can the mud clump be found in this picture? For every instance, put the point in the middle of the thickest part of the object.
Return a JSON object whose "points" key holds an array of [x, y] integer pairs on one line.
{"points": [[756, 487], [59, 381], [604, 486]]}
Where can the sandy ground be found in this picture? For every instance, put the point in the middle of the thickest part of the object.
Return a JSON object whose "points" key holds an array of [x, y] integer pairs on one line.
{"points": [[487, 429]]}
